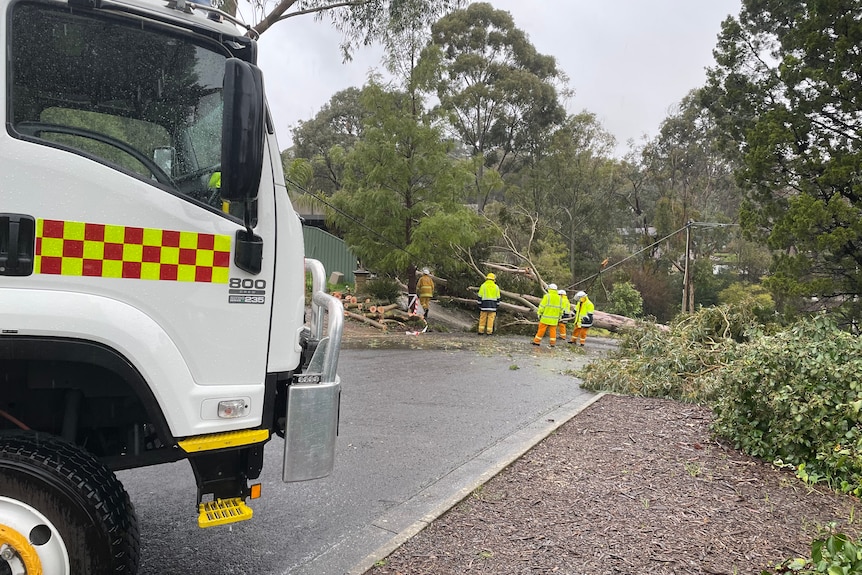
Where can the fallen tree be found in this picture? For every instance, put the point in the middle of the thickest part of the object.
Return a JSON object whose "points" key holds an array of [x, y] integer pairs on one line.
{"points": [[609, 321]]}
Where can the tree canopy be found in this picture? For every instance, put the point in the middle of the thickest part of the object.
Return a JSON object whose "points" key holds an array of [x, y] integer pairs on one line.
{"points": [[362, 22], [400, 204], [498, 94], [787, 92]]}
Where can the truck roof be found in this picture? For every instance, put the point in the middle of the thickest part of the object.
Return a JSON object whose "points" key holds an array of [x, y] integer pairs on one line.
{"points": [[183, 13]]}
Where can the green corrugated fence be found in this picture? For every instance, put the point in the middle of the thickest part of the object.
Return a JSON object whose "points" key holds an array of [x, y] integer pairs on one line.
{"points": [[331, 251]]}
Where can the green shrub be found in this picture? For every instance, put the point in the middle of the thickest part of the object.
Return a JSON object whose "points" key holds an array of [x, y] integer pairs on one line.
{"points": [[795, 397], [625, 300], [681, 363], [832, 554], [383, 289], [754, 295]]}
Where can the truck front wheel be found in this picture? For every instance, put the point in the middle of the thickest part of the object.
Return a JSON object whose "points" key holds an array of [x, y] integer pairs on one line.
{"points": [[61, 511]]}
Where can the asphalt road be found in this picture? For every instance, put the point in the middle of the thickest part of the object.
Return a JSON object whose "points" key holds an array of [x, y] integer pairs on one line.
{"points": [[419, 430]]}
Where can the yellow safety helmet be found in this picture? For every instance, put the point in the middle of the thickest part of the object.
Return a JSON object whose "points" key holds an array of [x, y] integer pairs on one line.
{"points": [[491, 276]]}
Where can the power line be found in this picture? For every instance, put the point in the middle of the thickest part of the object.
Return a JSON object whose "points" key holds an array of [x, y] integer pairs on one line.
{"points": [[652, 245], [637, 253]]}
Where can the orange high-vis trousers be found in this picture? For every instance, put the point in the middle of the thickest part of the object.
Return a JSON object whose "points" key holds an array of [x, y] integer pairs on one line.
{"points": [[579, 333], [561, 331], [552, 334]]}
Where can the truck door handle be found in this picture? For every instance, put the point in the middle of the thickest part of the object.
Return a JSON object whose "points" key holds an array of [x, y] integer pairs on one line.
{"points": [[17, 244]]}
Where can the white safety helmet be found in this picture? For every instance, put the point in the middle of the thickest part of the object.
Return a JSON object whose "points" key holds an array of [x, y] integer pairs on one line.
{"points": [[561, 292], [425, 271], [552, 286], [580, 295]]}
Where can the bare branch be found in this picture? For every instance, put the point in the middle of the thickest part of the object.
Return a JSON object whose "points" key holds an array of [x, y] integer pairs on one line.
{"points": [[512, 247], [321, 9]]}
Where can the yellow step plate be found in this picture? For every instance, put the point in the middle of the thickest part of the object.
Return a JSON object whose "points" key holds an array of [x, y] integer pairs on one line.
{"points": [[223, 440], [222, 512]]}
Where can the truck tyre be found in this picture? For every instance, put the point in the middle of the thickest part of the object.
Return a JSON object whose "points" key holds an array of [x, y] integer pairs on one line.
{"points": [[62, 512]]}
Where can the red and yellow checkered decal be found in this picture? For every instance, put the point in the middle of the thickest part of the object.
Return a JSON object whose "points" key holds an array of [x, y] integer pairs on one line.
{"points": [[108, 251]]}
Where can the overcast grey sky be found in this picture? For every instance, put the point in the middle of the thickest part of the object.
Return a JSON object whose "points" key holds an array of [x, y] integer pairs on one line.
{"points": [[628, 61]]}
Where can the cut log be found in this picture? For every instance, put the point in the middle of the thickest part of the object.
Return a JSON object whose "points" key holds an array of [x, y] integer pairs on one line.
{"points": [[398, 314], [364, 319]]}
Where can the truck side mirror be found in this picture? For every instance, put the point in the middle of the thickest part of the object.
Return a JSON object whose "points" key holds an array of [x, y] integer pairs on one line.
{"points": [[242, 131]]}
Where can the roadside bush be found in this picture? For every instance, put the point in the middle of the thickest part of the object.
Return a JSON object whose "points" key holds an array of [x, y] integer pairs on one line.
{"points": [[383, 289], [754, 295], [682, 363], [831, 553], [625, 300], [795, 398]]}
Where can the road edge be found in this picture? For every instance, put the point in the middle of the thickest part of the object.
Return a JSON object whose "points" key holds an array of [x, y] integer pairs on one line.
{"points": [[554, 419]]}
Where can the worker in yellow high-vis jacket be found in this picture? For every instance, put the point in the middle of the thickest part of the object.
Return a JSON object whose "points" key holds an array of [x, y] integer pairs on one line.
{"points": [[566, 314], [425, 290], [550, 311], [583, 311], [488, 298]]}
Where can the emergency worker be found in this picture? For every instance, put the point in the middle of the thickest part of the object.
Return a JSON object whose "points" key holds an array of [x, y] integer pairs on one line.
{"points": [[425, 288], [550, 311], [583, 318], [566, 316], [489, 297]]}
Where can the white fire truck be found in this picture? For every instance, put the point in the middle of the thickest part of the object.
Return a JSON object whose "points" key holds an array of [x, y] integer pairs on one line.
{"points": [[154, 302]]}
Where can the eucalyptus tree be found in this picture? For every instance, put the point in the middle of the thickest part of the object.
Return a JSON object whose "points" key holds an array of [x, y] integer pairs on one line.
{"points": [[400, 204], [361, 22], [688, 169], [325, 139], [697, 193], [787, 90], [497, 93], [578, 180]]}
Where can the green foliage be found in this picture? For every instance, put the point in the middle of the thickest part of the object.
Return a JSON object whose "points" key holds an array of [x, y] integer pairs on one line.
{"points": [[792, 396], [791, 118], [681, 363], [324, 140], [400, 202], [755, 296], [795, 397], [361, 23], [569, 188], [383, 289], [832, 553], [495, 90], [550, 258], [625, 300], [660, 292]]}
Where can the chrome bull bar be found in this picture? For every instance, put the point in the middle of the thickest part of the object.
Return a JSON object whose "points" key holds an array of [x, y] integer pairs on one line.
{"points": [[314, 397]]}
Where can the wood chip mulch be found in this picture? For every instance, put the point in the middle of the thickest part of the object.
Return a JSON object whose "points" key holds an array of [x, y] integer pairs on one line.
{"points": [[630, 485]]}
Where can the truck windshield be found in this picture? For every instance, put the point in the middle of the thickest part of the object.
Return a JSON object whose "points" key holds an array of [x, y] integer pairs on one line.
{"points": [[143, 101]]}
